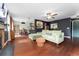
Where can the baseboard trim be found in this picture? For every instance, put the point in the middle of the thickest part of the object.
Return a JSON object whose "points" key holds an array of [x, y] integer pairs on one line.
{"points": [[67, 37], [9, 39]]}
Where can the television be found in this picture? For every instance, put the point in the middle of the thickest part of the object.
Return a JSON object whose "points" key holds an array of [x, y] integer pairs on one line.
{"points": [[22, 22]]}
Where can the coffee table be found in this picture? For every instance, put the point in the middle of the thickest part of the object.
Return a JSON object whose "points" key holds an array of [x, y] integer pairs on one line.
{"points": [[40, 41]]}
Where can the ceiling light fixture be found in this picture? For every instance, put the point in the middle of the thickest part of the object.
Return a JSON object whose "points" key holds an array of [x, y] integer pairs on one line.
{"points": [[50, 14]]}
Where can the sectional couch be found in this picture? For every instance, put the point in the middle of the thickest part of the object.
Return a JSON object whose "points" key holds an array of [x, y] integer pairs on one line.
{"points": [[55, 36]]}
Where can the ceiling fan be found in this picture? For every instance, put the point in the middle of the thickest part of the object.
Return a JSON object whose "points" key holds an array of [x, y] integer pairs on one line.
{"points": [[51, 15]]}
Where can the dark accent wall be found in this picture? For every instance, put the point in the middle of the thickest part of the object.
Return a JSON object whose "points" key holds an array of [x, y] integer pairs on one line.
{"points": [[44, 22], [63, 25]]}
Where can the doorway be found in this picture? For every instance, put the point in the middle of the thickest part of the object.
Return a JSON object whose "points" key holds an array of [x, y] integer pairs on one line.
{"points": [[17, 29], [75, 31]]}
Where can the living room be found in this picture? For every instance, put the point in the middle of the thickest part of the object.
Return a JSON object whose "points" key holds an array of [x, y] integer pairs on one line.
{"points": [[42, 27]]}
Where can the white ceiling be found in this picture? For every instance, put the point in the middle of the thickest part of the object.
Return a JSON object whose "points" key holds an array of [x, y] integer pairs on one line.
{"points": [[37, 10]]}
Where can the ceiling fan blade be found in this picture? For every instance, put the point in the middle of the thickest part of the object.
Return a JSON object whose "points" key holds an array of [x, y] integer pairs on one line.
{"points": [[53, 17], [54, 14]]}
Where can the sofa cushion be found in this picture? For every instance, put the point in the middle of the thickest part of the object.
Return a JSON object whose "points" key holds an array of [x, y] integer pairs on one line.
{"points": [[36, 36], [49, 34]]}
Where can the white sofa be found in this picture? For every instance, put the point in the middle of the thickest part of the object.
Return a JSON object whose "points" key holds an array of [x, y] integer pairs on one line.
{"points": [[55, 36]]}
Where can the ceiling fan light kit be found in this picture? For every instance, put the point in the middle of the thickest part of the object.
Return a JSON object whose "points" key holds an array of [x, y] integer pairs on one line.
{"points": [[50, 14]]}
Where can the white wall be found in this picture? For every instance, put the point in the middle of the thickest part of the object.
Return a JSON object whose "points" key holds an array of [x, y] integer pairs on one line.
{"points": [[0, 5], [8, 22], [27, 22]]}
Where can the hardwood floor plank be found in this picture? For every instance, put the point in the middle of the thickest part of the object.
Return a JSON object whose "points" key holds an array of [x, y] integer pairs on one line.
{"points": [[26, 47]]}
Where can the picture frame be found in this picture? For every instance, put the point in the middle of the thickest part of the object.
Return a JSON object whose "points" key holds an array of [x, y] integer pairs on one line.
{"points": [[39, 24], [32, 25], [54, 26]]}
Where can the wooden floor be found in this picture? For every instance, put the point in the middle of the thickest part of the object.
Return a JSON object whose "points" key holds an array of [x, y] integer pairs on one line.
{"points": [[26, 47]]}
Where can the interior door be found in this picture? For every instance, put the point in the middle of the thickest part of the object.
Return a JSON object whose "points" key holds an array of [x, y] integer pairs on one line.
{"points": [[75, 32], [75, 29], [12, 33]]}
